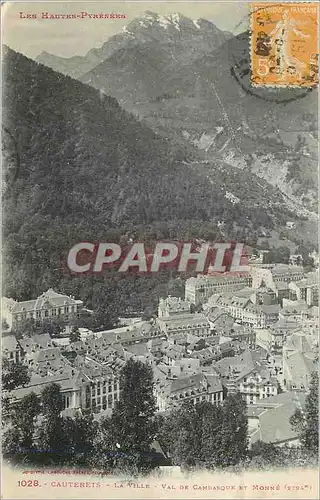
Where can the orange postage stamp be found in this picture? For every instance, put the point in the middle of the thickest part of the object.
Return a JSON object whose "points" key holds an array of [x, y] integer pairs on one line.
{"points": [[284, 44]]}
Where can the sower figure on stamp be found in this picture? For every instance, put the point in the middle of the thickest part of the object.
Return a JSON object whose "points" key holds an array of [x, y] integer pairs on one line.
{"points": [[280, 38]]}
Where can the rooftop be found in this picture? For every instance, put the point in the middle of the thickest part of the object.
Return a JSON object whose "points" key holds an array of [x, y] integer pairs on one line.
{"points": [[274, 417], [279, 269], [48, 299], [9, 343], [217, 278]]}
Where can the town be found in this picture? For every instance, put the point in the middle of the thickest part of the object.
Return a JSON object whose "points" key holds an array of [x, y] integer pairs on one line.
{"points": [[251, 333]]}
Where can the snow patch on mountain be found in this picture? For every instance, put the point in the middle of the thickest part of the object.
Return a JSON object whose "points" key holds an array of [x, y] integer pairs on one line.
{"points": [[196, 23], [126, 31], [164, 22], [176, 20]]}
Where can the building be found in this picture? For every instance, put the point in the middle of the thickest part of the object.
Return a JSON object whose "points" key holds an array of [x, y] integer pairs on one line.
{"points": [[244, 309], [172, 306], [277, 273], [282, 290], [36, 342], [194, 388], [306, 290], [85, 384], [49, 305], [273, 337], [269, 419], [11, 349], [171, 353], [196, 324], [199, 289], [300, 360], [248, 375], [66, 379]]}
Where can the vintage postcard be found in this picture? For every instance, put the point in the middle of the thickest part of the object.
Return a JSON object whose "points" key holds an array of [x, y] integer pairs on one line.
{"points": [[160, 260]]}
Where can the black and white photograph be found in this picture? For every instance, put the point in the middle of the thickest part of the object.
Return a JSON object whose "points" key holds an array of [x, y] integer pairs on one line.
{"points": [[160, 258]]}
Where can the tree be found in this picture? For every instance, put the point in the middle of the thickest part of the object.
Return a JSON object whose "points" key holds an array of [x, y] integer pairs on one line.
{"points": [[24, 419], [25, 327], [297, 422], [234, 438], [74, 335], [51, 400], [306, 422], [10, 442], [182, 435], [277, 255], [52, 326], [81, 432], [133, 419], [196, 308], [18, 437], [212, 435], [190, 434], [52, 436], [264, 455], [14, 375], [104, 452]]}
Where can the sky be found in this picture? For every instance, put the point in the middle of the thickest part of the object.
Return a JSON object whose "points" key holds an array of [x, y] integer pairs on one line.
{"points": [[69, 37]]}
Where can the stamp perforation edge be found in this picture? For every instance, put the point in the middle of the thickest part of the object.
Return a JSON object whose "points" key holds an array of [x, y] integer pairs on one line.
{"points": [[255, 7]]}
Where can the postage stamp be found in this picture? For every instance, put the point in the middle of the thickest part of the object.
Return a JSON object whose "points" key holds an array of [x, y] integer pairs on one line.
{"points": [[284, 44]]}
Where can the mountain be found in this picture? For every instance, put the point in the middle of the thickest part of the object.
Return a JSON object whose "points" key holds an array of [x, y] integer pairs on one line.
{"points": [[210, 103], [184, 38], [79, 167]]}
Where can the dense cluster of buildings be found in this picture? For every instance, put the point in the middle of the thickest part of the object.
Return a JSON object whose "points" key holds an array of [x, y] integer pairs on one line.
{"points": [[256, 334]]}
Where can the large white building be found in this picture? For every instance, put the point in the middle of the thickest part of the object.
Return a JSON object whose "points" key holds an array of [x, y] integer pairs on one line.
{"points": [[247, 308], [199, 289], [278, 273], [195, 388], [49, 305], [197, 324]]}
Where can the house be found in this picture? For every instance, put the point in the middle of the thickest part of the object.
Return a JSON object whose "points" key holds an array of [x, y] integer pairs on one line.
{"points": [[172, 306], [32, 344], [306, 290], [207, 356], [171, 353], [85, 384], [247, 374], [196, 324], [244, 309], [154, 346], [290, 224], [300, 360], [49, 305], [11, 349], [269, 419], [194, 388]]}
